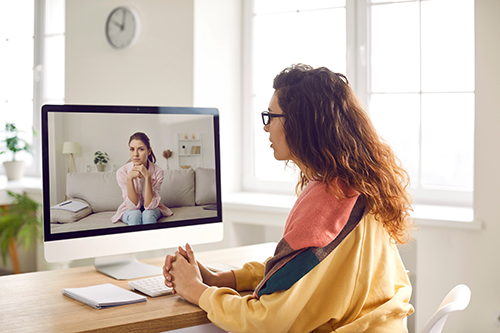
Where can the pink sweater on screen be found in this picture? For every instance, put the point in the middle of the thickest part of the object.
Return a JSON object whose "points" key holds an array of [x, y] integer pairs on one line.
{"points": [[156, 180]]}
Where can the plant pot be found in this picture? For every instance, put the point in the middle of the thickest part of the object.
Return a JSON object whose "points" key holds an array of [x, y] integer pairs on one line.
{"points": [[14, 170], [100, 167]]}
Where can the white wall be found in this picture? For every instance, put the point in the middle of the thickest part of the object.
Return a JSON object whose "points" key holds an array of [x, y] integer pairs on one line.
{"points": [[157, 70]]}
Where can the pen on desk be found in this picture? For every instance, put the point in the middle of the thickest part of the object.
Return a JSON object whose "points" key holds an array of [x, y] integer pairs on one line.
{"points": [[65, 203]]}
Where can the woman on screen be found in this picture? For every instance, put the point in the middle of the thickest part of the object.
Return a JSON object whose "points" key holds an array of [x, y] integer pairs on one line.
{"points": [[140, 181], [337, 267]]}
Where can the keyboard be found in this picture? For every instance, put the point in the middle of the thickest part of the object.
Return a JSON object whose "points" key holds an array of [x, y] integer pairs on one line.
{"points": [[152, 286]]}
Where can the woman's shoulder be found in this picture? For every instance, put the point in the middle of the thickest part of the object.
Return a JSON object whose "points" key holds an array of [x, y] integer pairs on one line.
{"points": [[127, 165], [125, 168], [155, 168], [337, 188]]}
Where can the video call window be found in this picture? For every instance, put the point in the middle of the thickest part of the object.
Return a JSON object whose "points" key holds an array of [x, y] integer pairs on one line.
{"points": [[84, 201]]}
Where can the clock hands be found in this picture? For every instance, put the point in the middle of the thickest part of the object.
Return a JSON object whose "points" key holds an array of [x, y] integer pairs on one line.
{"points": [[118, 25], [123, 18], [122, 25]]}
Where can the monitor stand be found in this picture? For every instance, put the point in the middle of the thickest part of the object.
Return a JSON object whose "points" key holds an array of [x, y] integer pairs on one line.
{"points": [[125, 267]]}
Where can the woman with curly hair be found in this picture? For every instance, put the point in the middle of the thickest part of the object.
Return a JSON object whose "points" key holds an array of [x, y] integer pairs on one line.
{"points": [[337, 267]]}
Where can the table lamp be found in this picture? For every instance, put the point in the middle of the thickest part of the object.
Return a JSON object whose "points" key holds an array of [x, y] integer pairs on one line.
{"points": [[71, 148]]}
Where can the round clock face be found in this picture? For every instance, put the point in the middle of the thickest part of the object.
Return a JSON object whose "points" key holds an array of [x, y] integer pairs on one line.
{"points": [[122, 27]]}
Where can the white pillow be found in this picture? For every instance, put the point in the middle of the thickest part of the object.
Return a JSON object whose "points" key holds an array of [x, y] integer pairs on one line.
{"points": [[65, 216]]}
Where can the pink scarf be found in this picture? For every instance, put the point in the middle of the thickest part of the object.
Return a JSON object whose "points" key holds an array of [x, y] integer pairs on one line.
{"points": [[316, 225]]}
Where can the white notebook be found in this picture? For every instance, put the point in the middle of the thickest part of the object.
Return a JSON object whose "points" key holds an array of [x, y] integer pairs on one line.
{"points": [[103, 295]]}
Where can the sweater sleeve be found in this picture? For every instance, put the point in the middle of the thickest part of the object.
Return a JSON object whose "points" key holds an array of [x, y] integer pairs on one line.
{"points": [[232, 312], [249, 276], [275, 312]]}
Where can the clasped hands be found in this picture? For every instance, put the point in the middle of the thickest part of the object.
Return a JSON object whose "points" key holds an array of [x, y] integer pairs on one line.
{"points": [[186, 276], [139, 171], [189, 278]]}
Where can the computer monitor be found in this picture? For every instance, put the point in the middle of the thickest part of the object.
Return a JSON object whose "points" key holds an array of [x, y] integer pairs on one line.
{"points": [[191, 187]]}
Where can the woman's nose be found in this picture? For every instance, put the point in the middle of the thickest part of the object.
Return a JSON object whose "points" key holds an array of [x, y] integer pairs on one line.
{"points": [[266, 128]]}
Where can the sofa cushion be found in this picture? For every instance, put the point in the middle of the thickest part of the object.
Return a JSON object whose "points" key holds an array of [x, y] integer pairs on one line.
{"points": [[65, 216], [178, 188], [205, 191], [99, 189]]}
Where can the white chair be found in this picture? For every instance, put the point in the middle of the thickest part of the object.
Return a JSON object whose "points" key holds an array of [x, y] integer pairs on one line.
{"points": [[456, 300]]}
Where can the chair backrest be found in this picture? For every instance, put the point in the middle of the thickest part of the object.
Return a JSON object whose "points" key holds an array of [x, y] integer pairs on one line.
{"points": [[456, 300]]}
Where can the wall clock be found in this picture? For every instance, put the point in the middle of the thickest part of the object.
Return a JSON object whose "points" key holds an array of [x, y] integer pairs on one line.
{"points": [[122, 27]]}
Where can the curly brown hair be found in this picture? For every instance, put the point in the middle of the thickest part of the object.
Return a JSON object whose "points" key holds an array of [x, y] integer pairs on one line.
{"points": [[330, 136]]}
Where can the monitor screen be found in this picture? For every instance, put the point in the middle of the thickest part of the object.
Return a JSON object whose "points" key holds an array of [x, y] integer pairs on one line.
{"points": [[88, 158]]}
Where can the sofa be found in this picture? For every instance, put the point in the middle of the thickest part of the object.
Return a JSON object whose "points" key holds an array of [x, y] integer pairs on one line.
{"points": [[189, 193]]}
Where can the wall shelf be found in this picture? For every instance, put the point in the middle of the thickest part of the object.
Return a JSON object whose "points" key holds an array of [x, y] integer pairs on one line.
{"points": [[190, 151]]}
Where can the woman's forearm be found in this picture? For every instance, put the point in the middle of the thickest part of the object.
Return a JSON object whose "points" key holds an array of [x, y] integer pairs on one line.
{"points": [[131, 191], [219, 279], [148, 192], [226, 279]]}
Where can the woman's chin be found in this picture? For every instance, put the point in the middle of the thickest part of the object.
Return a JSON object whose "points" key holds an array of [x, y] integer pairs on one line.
{"points": [[282, 157], [279, 158]]}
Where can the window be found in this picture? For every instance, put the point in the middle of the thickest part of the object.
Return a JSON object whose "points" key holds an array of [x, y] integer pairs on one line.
{"points": [[283, 33], [54, 50], [16, 71], [31, 68], [411, 62], [422, 92]]}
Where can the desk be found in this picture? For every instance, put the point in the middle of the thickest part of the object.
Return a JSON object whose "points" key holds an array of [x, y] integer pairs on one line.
{"points": [[33, 302]]}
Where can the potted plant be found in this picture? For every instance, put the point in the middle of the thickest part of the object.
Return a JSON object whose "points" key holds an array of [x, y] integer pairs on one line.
{"points": [[19, 224], [14, 169], [100, 160]]}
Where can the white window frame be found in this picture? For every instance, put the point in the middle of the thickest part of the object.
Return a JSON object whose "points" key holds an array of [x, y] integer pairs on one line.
{"points": [[357, 64], [39, 35], [40, 81]]}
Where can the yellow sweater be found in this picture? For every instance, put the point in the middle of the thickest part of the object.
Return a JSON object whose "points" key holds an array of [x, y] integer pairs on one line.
{"points": [[362, 286]]}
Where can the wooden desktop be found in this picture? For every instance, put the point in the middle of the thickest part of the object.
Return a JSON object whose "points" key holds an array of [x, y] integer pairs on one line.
{"points": [[34, 302]]}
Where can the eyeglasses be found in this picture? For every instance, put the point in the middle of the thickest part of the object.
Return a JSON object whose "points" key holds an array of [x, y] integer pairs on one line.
{"points": [[266, 117]]}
